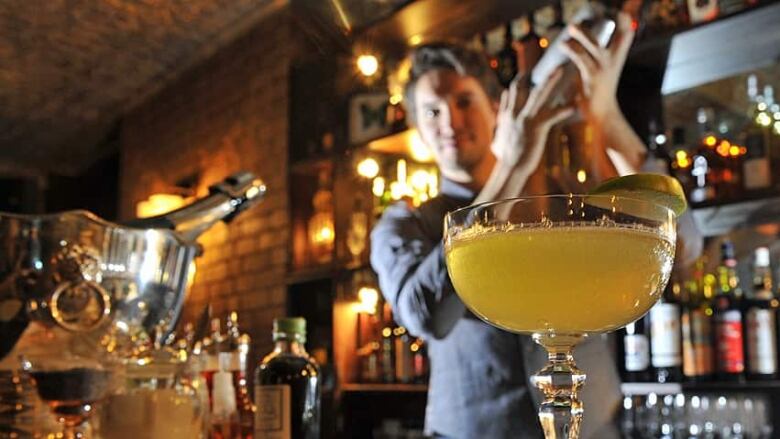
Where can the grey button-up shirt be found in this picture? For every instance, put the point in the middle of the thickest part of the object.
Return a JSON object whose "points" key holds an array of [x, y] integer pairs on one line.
{"points": [[479, 374]]}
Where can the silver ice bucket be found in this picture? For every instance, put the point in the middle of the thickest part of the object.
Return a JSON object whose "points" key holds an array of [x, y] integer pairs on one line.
{"points": [[114, 283]]}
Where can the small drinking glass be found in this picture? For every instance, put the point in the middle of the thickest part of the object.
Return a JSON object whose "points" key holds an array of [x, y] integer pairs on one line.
{"points": [[71, 386]]}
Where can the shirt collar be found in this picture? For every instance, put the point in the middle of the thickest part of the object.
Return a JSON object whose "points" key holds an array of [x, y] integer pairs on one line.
{"points": [[456, 190]]}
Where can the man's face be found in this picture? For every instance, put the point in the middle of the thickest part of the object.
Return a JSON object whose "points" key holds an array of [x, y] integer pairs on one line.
{"points": [[456, 119]]}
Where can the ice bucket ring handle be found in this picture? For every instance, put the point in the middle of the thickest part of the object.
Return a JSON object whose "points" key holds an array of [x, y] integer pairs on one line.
{"points": [[78, 303], [79, 306]]}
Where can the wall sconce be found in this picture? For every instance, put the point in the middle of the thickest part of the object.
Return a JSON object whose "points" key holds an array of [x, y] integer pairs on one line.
{"points": [[159, 204], [321, 230]]}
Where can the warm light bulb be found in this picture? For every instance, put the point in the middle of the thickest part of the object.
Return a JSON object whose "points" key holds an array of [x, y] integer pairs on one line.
{"points": [[368, 65], [378, 186], [763, 119], [582, 176], [710, 141], [401, 171], [544, 42], [325, 234], [415, 40], [368, 168], [369, 297], [397, 190]]}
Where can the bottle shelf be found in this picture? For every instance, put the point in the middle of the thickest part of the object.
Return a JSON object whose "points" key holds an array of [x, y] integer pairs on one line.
{"points": [[656, 38], [720, 219], [647, 388], [382, 387], [712, 386]]}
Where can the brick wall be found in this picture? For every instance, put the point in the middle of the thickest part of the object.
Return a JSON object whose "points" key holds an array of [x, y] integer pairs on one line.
{"points": [[227, 114]]}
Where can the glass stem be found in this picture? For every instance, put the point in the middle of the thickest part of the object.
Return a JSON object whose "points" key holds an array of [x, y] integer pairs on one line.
{"points": [[560, 380]]}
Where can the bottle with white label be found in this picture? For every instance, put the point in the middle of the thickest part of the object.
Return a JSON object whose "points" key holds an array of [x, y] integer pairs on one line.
{"points": [[760, 319], [636, 351], [665, 340], [287, 386]]}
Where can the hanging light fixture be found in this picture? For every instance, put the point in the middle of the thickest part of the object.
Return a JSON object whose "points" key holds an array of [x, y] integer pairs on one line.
{"points": [[321, 230]]}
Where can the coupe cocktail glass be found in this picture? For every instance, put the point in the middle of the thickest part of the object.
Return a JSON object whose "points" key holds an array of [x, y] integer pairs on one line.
{"points": [[560, 267]]}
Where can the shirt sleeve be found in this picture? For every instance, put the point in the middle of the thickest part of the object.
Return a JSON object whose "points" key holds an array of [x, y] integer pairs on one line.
{"points": [[413, 275]]}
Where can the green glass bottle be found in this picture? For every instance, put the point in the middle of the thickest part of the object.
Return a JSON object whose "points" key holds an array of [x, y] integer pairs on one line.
{"points": [[287, 386]]}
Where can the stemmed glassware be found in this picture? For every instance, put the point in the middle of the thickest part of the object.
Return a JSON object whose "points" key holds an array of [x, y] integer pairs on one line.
{"points": [[71, 386], [560, 267]]}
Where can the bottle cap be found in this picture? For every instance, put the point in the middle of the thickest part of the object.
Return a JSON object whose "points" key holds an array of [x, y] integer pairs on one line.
{"points": [[290, 326], [762, 257]]}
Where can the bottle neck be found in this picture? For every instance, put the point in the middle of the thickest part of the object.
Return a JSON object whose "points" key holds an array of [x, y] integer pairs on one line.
{"points": [[762, 283], [289, 346], [728, 280], [226, 199]]}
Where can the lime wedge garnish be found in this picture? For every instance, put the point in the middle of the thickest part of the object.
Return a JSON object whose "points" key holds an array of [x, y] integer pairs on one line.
{"points": [[656, 188]]}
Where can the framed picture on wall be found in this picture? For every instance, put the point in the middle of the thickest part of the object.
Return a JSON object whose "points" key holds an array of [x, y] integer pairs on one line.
{"points": [[368, 117]]}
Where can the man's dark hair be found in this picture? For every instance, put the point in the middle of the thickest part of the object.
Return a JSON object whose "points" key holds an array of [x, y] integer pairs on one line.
{"points": [[449, 56]]}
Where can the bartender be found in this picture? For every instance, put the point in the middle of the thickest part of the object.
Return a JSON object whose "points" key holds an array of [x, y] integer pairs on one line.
{"points": [[488, 145]]}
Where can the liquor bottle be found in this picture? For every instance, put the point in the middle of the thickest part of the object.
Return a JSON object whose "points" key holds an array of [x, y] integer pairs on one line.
{"points": [[529, 47], [224, 417], [388, 346], [697, 332], [506, 59], [229, 348], [760, 321], [212, 346], [287, 386], [404, 362], [706, 164], [246, 409], [635, 351], [420, 360], [758, 162], [370, 355], [729, 332], [731, 162], [558, 23], [665, 14], [233, 359], [665, 343]]}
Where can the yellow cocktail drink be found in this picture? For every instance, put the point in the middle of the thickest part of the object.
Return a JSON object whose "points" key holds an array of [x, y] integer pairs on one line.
{"points": [[572, 279]]}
